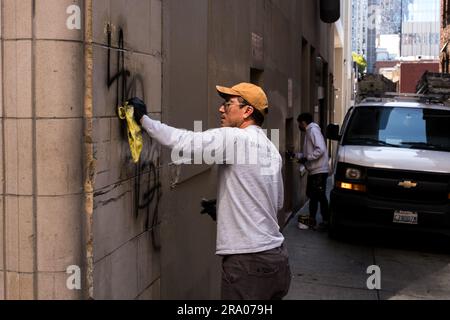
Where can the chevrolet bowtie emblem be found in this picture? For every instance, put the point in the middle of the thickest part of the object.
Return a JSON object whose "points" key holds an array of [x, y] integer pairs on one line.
{"points": [[407, 184]]}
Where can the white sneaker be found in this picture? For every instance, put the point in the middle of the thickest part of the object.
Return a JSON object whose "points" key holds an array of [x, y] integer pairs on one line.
{"points": [[302, 226]]}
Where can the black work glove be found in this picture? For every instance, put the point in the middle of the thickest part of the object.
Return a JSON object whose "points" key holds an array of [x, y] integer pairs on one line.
{"points": [[290, 155], [303, 160], [209, 208], [140, 109]]}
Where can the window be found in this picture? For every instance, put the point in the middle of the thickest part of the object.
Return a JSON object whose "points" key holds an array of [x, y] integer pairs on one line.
{"points": [[445, 63], [446, 13]]}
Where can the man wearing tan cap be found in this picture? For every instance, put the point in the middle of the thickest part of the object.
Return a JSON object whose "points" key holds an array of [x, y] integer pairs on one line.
{"points": [[255, 263]]}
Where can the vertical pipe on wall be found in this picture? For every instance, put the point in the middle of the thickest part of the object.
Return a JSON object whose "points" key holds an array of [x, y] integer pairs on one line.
{"points": [[89, 161], [34, 151], [3, 153]]}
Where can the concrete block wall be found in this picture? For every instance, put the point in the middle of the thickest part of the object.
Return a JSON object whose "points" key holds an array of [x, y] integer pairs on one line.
{"points": [[41, 147], [126, 229]]}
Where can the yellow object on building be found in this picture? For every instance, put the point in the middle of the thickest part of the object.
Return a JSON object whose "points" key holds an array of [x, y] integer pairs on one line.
{"points": [[126, 112]]}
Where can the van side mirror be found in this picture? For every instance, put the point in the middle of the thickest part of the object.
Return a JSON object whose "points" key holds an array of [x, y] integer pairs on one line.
{"points": [[333, 132]]}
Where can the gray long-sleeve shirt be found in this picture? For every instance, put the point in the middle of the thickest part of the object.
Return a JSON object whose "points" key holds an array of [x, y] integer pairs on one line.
{"points": [[315, 150], [250, 185]]}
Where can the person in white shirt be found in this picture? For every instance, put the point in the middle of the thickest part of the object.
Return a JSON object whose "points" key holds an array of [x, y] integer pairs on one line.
{"points": [[255, 264], [315, 158]]}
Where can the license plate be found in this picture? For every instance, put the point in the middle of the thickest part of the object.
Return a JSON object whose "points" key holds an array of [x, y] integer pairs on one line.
{"points": [[406, 217]]}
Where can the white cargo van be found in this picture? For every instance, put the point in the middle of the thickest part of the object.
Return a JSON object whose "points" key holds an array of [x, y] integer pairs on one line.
{"points": [[392, 166]]}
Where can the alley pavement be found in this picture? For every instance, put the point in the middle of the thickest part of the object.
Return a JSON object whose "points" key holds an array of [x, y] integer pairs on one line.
{"points": [[412, 266]]}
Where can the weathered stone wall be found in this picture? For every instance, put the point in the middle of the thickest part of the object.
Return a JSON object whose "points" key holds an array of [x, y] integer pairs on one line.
{"points": [[127, 196], [41, 147]]}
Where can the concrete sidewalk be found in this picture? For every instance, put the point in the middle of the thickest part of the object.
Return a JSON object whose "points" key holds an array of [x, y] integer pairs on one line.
{"points": [[324, 269]]}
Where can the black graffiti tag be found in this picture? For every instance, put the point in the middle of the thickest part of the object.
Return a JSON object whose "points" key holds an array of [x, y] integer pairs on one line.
{"points": [[146, 195]]}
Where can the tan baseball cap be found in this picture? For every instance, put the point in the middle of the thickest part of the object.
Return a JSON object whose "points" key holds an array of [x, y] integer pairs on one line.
{"points": [[251, 93]]}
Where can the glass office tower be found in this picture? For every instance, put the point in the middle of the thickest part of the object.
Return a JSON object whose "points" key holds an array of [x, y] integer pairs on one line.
{"points": [[420, 28]]}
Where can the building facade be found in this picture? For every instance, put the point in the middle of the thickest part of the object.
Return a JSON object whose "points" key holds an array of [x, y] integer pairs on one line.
{"points": [[412, 72], [391, 17], [373, 19], [420, 28], [402, 28], [445, 37], [343, 68], [389, 29], [359, 26], [72, 200]]}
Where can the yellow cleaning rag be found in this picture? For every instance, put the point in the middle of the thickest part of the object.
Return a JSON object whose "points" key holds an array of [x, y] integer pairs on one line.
{"points": [[126, 112]]}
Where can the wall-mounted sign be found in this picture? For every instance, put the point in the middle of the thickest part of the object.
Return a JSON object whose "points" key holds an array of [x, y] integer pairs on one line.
{"points": [[257, 51], [290, 93]]}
